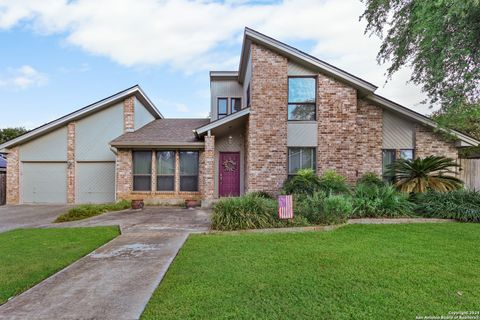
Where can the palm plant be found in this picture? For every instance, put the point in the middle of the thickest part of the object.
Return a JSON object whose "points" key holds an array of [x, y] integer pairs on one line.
{"points": [[422, 174]]}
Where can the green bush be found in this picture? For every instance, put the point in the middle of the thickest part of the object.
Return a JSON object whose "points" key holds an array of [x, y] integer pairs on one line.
{"points": [[371, 179], [89, 210], [320, 209], [261, 194], [310, 207], [304, 182], [333, 183], [247, 212], [462, 205], [337, 209], [374, 201], [252, 211]]}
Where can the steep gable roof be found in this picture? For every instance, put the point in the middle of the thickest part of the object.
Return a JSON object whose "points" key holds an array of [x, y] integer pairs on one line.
{"points": [[85, 111], [366, 89], [252, 36]]}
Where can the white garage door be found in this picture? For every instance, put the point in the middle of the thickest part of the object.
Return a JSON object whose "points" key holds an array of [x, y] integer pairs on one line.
{"points": [[44, 182], [95, 182]]}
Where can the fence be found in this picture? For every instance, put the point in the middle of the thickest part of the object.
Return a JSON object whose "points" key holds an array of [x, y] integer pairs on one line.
{"points": [[3, 188], [470, 173]]}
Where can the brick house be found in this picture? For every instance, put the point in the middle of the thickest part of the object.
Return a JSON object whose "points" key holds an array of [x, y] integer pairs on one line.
{"points": [[282, 110]]}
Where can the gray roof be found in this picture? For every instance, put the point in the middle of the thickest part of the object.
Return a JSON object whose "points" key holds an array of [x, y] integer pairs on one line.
{"points": [[83, 112], [163, 132]]}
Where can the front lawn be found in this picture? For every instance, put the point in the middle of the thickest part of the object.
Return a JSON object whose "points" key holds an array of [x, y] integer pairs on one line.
{"points": [[355, 272], [27, 256]]}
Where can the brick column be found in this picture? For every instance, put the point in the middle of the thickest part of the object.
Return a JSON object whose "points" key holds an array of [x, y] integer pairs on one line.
{"points": [[13, 176], [71, 163], [177, 172], [337, 127], [129, 114], [124, 172], [153, 185], [209, 173]]}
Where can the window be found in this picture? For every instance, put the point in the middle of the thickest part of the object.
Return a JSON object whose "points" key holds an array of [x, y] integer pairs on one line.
{"points": [[248, 95], [302, 98], [222, 105], [406, 154], [188, 171], [166, 171], [388, 157], [300, 158], [142, 170], [236, 104]]}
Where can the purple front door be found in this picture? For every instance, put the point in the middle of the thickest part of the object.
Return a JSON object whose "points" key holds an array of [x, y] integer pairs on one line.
{"points": [[229, 174]]}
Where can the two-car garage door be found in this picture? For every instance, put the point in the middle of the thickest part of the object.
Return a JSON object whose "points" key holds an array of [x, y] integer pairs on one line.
{"points": [[46, 182]]}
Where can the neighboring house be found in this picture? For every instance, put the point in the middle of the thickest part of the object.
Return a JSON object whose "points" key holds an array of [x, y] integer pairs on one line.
{"points": [[281, 111]]}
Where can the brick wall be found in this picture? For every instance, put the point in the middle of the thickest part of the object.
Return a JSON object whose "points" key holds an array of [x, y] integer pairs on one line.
{"points": [[429, 143], [337, 127], [209, 168], [129, 114], [13, 176], [369, 138], [267, 131], [71, 163]]}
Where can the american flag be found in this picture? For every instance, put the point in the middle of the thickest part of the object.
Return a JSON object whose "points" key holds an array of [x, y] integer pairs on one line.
{"points": [[285, 207]]}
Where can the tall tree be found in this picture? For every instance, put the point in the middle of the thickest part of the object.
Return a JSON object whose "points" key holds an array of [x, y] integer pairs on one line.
{"points": [[440, 39], [10, 133]]}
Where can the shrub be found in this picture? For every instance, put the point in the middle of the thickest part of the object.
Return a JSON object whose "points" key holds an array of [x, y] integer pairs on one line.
{"points": [[333, 183], [89, 210], [304, 182], [311, 206], [320, 209], [337, 209], [371, 179], [261, 194], [462, 205], [247, 212], [386, 201]]}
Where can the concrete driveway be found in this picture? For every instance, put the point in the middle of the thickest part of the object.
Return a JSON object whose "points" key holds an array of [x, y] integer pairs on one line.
{"points": [[116, 280], [28, 216]]}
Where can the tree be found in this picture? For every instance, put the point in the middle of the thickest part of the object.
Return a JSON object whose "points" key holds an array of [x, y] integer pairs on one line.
{"points": [[419, 175], [440, 39], [10, 133]]}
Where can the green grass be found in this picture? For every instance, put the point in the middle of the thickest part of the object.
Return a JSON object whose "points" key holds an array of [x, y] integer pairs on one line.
{"points": [[27, 256], [355, 272], [85, 211]]}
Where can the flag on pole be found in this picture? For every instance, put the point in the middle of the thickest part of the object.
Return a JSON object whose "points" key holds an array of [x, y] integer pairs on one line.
{"points": [[285, 207]]}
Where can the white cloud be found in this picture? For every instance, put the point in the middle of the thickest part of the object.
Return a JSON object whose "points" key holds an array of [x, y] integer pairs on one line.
{"points": [[22, 78], [169, 105], [197, 35]]}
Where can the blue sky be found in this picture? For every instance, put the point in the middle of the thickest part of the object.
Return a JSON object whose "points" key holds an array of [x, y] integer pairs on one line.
{"points": [[60, 55]]}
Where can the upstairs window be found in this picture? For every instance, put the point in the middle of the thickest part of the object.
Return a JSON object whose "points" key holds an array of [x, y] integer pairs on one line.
{"points": [[142, 170], [236, 104], [166, 171], [222, 107], [301, 158], [248, 96], [302, 98]]}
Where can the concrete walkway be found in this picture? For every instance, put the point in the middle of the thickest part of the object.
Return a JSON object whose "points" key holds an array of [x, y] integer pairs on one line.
{"points": [[116, 280]]}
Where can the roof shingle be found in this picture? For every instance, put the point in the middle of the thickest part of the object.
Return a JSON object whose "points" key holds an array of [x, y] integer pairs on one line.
{"points": [[163, 131]]}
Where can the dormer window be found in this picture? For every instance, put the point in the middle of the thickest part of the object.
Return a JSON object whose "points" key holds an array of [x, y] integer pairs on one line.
{"points": [[302, 98], [222, 107]]}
